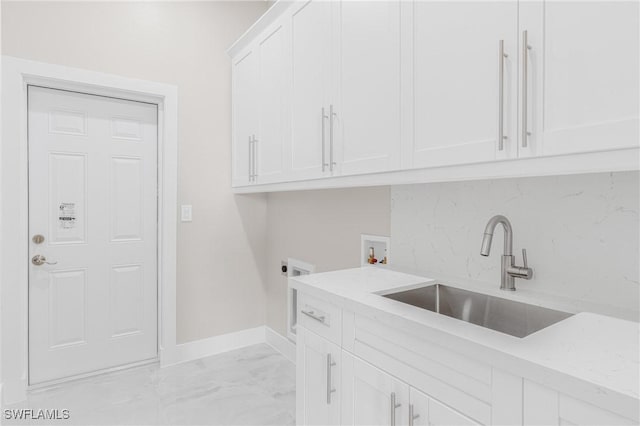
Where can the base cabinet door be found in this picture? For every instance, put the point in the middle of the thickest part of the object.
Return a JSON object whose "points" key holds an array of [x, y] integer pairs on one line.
{"points": [[371, 396], [318, 374]]}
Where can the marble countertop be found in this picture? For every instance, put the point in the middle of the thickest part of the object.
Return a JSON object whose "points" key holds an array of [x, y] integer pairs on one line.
{"points": [[590, 356]]}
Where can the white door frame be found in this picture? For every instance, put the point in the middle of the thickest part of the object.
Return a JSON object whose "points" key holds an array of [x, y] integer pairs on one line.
{"points": [[17, 74]]}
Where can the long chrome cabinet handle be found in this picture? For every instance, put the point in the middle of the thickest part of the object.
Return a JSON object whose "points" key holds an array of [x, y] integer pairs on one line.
{"points": [[525, 83], [330, 388], [393, 408], [250, 159], [331, 115], [255, 158], [311, 314], [501, 136], [412, 416], [324, 162]]}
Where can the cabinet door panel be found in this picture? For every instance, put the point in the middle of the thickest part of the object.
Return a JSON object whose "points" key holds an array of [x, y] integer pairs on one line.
{"points": [[456, 81], [441, 415], [245, 118], [273, 105], [314, 375], [584, 66], [420, 403], [311, 56], [370, 391], [368, 110]]}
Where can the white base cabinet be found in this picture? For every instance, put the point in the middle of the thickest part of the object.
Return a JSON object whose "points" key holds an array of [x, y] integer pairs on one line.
{"points": [[320, 374], [355, 370]]}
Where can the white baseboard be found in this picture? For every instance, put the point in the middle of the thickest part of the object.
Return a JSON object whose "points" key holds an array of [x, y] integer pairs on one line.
{"points": [[280, 343], [217, 344]]}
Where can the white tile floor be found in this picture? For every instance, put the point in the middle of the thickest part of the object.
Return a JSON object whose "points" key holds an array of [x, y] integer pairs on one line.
{"points": [[249, 386]]}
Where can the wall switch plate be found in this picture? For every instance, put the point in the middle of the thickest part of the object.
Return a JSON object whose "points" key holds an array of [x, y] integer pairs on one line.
{"points": [[186, 213]]}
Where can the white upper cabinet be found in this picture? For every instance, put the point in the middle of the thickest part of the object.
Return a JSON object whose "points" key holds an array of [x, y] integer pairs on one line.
{"points": [[355, 89], [582, 71], [244, 116], [311, 82], [457, 81], [273, 105], [367, 109]]}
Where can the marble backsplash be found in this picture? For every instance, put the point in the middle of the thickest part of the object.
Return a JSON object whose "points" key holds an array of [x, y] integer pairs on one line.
{"points": [[581, 233]]}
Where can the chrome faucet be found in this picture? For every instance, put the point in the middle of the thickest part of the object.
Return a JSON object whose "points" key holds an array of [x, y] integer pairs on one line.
{"points": [[509, 269]]}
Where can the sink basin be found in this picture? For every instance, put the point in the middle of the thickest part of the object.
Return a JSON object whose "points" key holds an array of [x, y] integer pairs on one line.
{"points": [[506, 316]]}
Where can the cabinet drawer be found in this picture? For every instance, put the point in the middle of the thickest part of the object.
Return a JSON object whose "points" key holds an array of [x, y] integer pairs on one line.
{"points": [[321, 317]]}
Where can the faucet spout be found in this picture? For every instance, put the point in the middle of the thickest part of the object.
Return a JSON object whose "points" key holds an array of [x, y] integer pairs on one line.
{"points": [[488, 235], [509, 270]]}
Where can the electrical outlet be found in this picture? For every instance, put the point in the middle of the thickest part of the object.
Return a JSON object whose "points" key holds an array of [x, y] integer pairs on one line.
{"points": [[186, 213]]}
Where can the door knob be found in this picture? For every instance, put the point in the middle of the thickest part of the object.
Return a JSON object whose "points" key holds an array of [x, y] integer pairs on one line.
{"points": [[40, 260]]}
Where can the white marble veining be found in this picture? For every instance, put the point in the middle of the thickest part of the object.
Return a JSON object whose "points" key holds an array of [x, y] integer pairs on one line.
{"points": [[582, 234], [589, 355], [249, 386]]}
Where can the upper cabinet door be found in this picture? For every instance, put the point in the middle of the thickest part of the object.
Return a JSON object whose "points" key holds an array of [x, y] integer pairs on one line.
{"points": [[311, 81], [245, 116], [273, 104], [367, 110], [582, 91], [457, 84]]}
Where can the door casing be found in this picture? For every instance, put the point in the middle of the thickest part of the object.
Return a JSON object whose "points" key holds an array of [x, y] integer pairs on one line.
{"points": [[17, 74]]}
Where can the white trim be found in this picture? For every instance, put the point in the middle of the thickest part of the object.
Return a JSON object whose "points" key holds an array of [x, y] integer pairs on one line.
{"points": [[280, 343], [218, 344], [16, 75], [589, 162]]}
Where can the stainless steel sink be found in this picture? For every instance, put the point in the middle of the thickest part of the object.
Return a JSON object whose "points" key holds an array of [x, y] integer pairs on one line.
{"points": [[506, 316]]}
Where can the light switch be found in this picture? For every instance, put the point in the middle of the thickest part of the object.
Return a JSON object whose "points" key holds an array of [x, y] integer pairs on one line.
{"points": [[186, 214]]}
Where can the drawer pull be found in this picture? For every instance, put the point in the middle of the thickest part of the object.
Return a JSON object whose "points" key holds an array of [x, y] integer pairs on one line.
{"points": [[311, 314]]}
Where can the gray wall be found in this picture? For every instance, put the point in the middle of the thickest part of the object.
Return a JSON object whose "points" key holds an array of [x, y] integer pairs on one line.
{"points": [[322, 228], [581, 233], [220, 285]]}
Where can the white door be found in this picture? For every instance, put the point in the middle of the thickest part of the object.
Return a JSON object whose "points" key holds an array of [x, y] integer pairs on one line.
{"points": [[367, 116], [419, 407], [274, 89], [317, 380], [371, 396], [93, 199], [457, 81], [311, 83], [582, 71], [245, 117]]}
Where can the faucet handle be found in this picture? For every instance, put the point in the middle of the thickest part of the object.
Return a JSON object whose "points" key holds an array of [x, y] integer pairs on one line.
{"points": [[524, 258]]}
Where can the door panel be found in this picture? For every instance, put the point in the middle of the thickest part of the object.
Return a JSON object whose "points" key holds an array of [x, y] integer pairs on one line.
{"points": [[274, 89], [456, 81], [368, 112], [313, 379], [583, 85], [93, 196], [368, 393], [245, 116], [311, 79]]}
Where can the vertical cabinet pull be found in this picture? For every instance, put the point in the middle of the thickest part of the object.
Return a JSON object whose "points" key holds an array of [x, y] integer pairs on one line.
{"points": [[330, 388], [255, 158], [525, 83], [324, 162], [331, 115], [501, 136], [250, 159], [412, 416], [393, 408]]}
